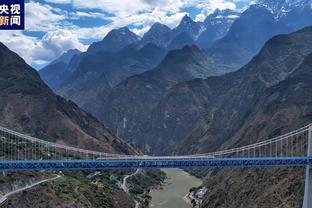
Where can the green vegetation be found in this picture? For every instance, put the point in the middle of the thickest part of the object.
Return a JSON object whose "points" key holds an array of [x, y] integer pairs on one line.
{"points": [[140, 184], [76, 187]]}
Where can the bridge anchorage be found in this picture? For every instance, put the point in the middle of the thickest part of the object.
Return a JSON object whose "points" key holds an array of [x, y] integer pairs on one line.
{"points": [[20, 152]]}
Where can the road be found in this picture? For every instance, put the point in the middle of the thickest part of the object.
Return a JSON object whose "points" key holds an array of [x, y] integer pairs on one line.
{"points": [[4, 197]]}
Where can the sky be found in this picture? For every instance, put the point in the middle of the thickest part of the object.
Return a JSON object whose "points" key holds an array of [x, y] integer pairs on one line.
{"points": [[55, 26]]}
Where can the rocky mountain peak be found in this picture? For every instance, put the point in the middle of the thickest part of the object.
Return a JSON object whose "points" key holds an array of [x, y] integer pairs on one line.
{"points": [[223, 13], [280, 8], [115, 40], [217, 25], [122, 35], [194, 29], [221, 17], [66, 57], [158, 26], [158, 34], [186, 20]]}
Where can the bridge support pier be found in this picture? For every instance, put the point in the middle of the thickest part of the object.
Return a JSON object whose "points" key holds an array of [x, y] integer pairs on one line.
{"points": [[307, 202]]}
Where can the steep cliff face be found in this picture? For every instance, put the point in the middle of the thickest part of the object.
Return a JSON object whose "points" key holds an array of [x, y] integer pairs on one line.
{"points": [[28, 105], [127, 110], [202, 114], [284, 106]]}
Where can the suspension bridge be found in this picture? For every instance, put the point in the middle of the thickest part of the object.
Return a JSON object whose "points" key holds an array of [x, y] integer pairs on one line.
{"points": [[20, 152]]}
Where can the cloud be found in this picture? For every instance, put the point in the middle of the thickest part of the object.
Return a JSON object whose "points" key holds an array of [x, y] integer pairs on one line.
{"points": [[61, 31], [210, 5], [35, 50], [116, 8], [168, 14], [19, 43], [79, 14], [54, 43], [200, 18], [59, 1], [41, 17]]}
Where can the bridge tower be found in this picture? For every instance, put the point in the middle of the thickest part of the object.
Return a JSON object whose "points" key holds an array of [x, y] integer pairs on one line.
{"points": [[307, 202]]}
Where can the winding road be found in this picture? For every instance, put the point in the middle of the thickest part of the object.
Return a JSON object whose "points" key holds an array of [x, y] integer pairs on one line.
{"points": [[5, 197]]}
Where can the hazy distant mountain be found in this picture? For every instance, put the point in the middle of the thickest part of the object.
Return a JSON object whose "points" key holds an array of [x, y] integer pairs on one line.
{"points": [[217, 25], [282, 8], [66, 57], [254, 27], [97, 73], [296, 14], [114, 41], [189, 32], [158, 34], [56, 72], [265, 19]]}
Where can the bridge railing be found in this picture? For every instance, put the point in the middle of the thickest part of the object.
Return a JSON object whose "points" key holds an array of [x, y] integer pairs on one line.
{"points": [[292, 144], [17, 146]]}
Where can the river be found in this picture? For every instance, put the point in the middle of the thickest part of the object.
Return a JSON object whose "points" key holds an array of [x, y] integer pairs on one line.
{"points": [[173, 191]]}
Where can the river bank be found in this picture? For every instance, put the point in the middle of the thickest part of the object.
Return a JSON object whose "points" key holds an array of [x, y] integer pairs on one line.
{"points": [[125, 188]]}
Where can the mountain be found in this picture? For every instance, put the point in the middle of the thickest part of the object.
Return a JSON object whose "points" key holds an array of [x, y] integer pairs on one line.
{"points": [[269, 96], [194, 29], [282, 8], [66, 57], [286, 105], [295, 14], [217, 25], [97, 73], [254, 27], [56, 72], [29, 106], [158, 34], [203, 114], [128, 107], [264, 20], [189, 32], [114, 41]]}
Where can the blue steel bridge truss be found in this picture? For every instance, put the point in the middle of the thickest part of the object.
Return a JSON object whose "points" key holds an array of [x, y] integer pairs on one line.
{"points": [[113, 164]]}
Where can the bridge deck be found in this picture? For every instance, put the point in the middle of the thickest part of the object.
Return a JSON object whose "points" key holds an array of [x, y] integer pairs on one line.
{"points": [[107, 164]]}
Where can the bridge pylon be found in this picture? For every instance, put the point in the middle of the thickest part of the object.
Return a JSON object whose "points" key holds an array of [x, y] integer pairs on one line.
{"points": [[307, 201]]}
